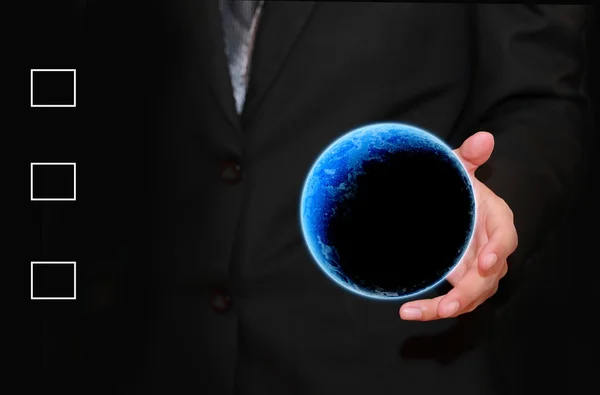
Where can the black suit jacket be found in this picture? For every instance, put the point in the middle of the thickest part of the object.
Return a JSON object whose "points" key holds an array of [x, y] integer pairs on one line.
{"points": [[158, 104]]}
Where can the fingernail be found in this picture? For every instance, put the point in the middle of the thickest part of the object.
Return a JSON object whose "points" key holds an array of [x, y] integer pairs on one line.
{"points": [[411, 313], [450, 309], [490, 260]]}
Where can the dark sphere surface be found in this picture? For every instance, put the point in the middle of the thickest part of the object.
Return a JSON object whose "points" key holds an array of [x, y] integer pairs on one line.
{"points": [[387, 211]]}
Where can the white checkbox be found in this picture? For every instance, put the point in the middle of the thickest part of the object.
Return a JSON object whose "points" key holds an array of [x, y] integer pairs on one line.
{"points": [[74, 264], [53, 199], [73, 71]]}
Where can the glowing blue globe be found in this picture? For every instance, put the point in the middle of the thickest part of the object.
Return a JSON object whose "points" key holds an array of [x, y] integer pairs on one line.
{"points": [[387, 211]]}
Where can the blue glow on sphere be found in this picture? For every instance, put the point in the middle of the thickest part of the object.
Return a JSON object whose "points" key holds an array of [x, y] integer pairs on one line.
{"points": [[332, 179]]}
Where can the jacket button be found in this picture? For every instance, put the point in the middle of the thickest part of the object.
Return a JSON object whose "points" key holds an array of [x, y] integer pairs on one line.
{"points": [[220, 301], [231, 172]]}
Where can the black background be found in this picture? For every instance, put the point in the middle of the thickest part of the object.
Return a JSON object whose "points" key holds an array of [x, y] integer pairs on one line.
{"points": [[58, 34]]}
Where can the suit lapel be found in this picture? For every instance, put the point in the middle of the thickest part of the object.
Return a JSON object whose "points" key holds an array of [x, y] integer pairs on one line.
{"points": [[280, 25]]}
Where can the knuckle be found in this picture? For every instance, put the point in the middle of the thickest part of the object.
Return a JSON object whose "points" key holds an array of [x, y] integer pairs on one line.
{"points": [[511, 214], [509, 211], [503, 203], [472, 297], [494, 290]]}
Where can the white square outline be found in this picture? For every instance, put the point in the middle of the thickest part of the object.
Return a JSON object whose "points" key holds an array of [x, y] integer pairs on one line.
{"points": [[56, 297], [54, 105], [74, 198]]}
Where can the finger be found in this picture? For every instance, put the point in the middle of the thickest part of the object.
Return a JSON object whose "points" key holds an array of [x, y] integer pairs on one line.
{"points": [[421, 310], [476, 150], [461, 269], [469, 289], [429, 309], [503, 271], [470, 308], [503, 241], [481, 300]]}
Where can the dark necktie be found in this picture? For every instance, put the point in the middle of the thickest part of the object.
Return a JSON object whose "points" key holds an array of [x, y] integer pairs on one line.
{"points": [[240, 19]]}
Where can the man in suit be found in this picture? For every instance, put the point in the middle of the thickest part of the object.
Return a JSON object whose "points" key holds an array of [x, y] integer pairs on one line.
{"points": [[485, 262], [217, 128]]}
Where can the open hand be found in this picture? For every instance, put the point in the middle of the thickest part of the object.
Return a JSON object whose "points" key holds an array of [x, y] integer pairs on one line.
{"points": [[476, 277]]}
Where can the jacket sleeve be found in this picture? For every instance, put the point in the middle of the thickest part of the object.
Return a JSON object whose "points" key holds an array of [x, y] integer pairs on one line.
{"points": [[527, 91]]}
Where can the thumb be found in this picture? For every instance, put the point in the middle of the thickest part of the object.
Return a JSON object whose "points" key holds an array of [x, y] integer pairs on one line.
{"points": [[476, 150]]}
